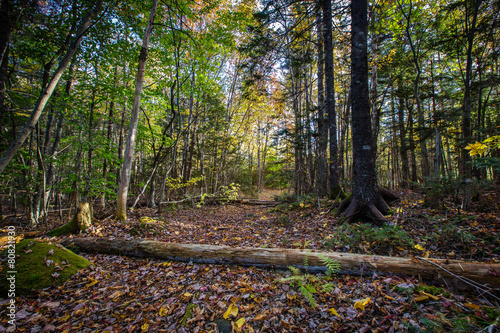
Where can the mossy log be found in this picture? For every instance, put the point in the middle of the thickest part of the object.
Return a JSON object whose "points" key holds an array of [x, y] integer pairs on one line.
{"points": [[282, 258], [79, 223]]}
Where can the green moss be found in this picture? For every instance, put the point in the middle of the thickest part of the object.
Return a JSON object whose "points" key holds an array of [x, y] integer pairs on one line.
{"points": [[32, 270], [69, 228]]}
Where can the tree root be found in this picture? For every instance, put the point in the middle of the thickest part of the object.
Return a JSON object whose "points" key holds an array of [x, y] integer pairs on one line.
{"points": [[351, 209]]}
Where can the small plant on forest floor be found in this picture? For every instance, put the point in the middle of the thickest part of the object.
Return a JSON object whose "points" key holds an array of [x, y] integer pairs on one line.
{"points": [[369, 238], [294, 202], [309, 284]]}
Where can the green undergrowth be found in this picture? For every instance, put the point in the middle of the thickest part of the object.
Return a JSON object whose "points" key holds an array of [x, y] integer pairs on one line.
{"points": [[67, 229], [364, 236], [291, 202], [39, 265]]}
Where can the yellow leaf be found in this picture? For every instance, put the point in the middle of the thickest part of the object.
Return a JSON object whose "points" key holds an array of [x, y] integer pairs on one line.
{"points": [[301, 204], [333, 312], [426, 254], [389, 297], [472, 306], [145, 327], [232, 310], [362, 303], [419, 247], [476, 148], [92, 283], [187, 295], [429, 295], [239, 323], [163, 311], [421, 298]]}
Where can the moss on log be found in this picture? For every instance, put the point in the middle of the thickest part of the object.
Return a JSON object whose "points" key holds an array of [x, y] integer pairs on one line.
{"points": [[79, 223]]}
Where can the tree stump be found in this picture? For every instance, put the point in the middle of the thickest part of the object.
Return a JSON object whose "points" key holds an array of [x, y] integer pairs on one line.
{"points": [[78, 224]]}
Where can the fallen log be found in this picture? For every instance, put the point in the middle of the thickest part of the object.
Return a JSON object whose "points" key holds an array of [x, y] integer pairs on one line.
{"points": [[454, 271]]}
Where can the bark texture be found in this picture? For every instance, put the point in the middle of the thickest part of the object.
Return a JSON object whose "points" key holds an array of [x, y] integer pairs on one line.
{"points": [[366, 201], [121, 209], [282, 258]]}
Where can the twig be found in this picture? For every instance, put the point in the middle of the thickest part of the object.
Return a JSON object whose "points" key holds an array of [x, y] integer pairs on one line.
{"points": [[334, 203], [466, 280], [490, 329]]}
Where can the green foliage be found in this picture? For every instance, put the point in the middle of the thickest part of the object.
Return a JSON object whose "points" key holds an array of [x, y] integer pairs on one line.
{"points": [[177, 183], [361, 235], [291, 201], [67, 229], [309, 284], [230, 193], [333, 266]]}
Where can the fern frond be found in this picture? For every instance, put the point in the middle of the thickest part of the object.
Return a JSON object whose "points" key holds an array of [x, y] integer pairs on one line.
{"points": [[332, 265], [307, 295]]}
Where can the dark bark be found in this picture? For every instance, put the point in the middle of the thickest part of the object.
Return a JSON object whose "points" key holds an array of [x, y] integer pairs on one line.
{"points": [[322, 171], [330, 98], [403, 144], [465, 167], [366, 201]]}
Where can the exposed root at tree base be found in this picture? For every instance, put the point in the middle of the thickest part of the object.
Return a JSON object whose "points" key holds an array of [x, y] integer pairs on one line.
{"points": [[373, 212]]}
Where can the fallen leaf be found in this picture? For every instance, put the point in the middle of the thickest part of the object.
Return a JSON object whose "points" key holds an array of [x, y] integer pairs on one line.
{"points": [[360, 305], [430, 295], [421, 298], [145, 327], [232, 310], [92, 283], [333, 312], [163, 311], [116, 294], [419, 247], [239, 323], [472, 306], [260, 316]]}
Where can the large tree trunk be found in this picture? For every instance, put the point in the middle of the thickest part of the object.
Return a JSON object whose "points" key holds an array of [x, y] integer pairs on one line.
{"points": [[282, 258], [367, 201], [121, 210], [47, 92]]}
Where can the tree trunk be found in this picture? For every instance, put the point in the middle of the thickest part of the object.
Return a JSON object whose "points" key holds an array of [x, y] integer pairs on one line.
{"points": [[282, 258], [121, 210], [366, 201], [47, 93], [322, 172], [330, 98]]}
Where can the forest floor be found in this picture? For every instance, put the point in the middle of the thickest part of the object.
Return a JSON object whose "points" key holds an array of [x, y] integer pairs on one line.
{"points": [[122, 294]]}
